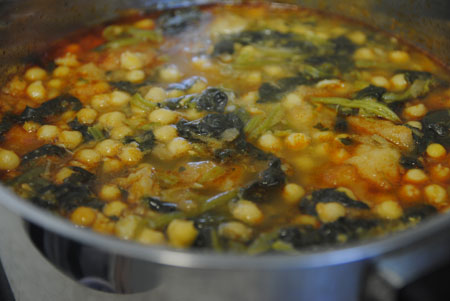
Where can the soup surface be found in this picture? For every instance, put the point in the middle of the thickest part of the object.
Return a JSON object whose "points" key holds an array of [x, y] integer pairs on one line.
{"points": [[234, 128]]}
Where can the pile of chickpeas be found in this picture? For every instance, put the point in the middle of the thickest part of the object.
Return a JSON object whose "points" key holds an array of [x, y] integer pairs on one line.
{"points": [[113, 111]]}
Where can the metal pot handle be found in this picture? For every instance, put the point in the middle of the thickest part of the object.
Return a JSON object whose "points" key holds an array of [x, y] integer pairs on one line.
{"points": [[392, 272]]}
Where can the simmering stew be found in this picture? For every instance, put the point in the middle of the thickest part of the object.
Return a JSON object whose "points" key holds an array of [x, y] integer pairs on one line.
{"points": [[245, 128]]}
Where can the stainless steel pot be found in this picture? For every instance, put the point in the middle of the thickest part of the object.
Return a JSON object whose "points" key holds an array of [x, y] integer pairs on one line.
{"points": [[104, 263]]}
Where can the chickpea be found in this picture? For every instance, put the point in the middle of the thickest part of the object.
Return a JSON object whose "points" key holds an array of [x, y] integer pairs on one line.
{"points": [[112, 165], [297, 141], [131, 61], [380, 81], [36, 90], [292, 193], [235, 231], [170, 74], [16, 86], [389, 210], [253, 78], [70, 139], [357, 37], [112, 119], [398, 56], [48, 132], [69, 60], [198, 87], [440, 173], [364, 54], [35, 73], [181, 233], [83, 216], [435, 194], [8, 159], [110, 192], [151, 237], [119, 98], [347, 191], [135, 76], [55, 83], [174, 93], [274, 70], [145, 24], [247, 212], [156, 94], [330, 212], [165, 133], [415, 111], [100, 101], [251, 97], [63, 174], [163, 116], [102, 224], [304, 219], [61, 71], [178, 147], [269, 142], [130, 155], [399, 82], [415, 176], [87, 156], [409, 193], [108, 147], [436, 151], [126, 227], [192, 114], [87, 115], [304, 163], [114, 208], [291, 101], [121, 132]]}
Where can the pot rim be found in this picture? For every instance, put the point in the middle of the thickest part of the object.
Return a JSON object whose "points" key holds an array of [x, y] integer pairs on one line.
{"points": [[211, 260]]}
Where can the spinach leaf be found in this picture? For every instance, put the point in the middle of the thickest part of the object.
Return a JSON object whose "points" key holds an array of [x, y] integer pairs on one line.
{"points": [[267, 38], [129, 87], [329, 233], [371, 91], [421, 83], [177, 21], [185, 84], [45, 150], [365, 106], [212, 125], [271, 178], [158, 205], [410, 162], [82, 128], [270, 92], [145, 141], [308, 203], [436, 127], [52, 107], [212, 100], [75, 191], [7, 123], [419, 212]]}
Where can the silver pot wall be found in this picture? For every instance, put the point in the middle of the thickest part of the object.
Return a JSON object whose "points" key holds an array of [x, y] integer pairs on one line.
{"points": [[105, 263]]}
